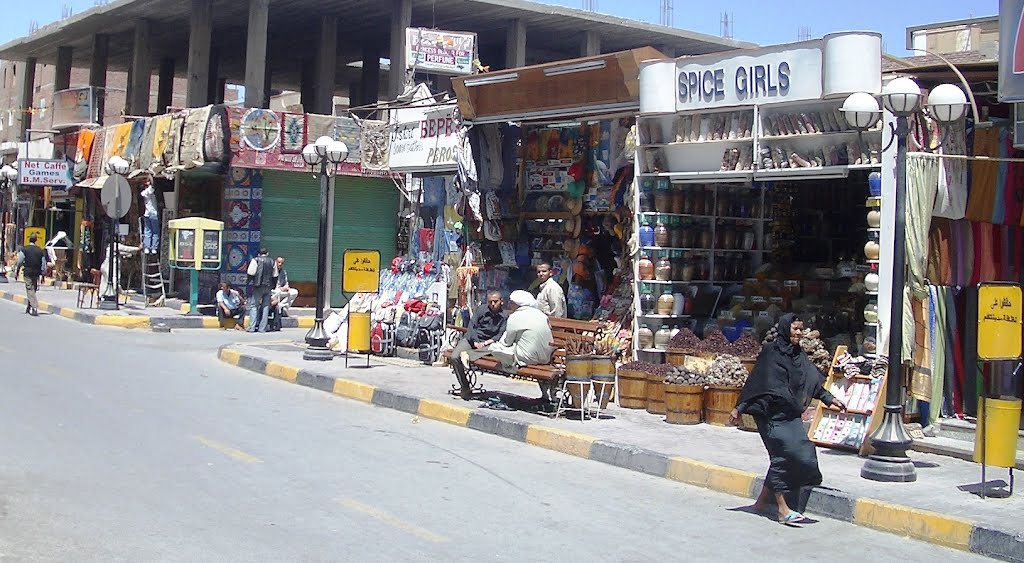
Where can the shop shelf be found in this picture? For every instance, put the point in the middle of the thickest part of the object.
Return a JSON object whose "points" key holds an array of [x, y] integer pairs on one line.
{"points": [[675, 248], [774, 138], [653, 316], [849, 411], [692, 143], [685, 215]]}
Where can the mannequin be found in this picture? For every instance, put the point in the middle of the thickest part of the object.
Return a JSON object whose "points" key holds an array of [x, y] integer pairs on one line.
{"points": [[123, 251]]}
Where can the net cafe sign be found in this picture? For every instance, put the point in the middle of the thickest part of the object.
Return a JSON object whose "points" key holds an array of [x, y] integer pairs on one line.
{"points": [[45, 172]]}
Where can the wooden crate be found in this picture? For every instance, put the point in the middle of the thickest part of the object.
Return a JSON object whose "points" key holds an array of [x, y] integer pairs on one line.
{"points": [[871, 413]]}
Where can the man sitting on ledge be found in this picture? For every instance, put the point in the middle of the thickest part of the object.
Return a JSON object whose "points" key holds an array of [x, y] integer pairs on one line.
{"points": [[527, 341]]}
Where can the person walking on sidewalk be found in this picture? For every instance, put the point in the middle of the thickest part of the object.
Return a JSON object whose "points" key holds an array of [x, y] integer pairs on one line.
{"points": [[34, 260], [486, 326], [777, 392], [261, 275], [550, 297]]}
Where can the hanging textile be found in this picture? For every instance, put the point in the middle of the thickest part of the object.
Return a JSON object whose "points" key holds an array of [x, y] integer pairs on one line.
{"points": [[984, 257], [940, 261], [922, 183], [951, 199], [984, 175], [921, 378], [936, 326]]}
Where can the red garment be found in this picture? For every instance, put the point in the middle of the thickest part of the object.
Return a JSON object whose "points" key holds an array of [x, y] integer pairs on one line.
{"points": [[415, 306], [984, 256]]}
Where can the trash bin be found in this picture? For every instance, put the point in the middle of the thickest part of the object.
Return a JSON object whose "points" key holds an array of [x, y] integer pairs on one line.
{"points": [[359, 332], [999, 422]]}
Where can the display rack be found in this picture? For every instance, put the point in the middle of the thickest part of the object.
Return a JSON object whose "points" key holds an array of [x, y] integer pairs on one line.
{"points": [[832, 428]]}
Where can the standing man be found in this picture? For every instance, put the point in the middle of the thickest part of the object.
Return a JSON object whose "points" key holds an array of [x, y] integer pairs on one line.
{"points": [[550, 298], [34, 260], [284, 294], [150, 220], [261, 276], [485, 328]]}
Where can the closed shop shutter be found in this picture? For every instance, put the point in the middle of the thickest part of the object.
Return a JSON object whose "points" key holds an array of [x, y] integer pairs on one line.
{"points": [[365, 217], [291, 216]]}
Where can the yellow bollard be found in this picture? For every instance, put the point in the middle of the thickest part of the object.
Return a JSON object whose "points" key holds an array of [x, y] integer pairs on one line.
{"points": [[999, 422]]}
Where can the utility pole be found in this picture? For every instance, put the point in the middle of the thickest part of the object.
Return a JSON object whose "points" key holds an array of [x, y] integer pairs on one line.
{"points": [[667, 15]]}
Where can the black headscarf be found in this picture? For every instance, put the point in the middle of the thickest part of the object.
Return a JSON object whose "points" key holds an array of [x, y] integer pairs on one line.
{"points": [[784, 379]]}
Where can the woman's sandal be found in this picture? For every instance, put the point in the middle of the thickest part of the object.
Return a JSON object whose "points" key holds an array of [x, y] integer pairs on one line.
{"points": [[793, 517]]}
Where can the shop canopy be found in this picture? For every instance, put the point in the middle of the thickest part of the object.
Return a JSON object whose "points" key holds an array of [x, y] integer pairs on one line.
{"points": [[598, 85]]}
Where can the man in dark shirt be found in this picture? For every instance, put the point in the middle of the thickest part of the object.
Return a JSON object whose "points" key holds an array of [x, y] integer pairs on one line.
{"points": [[485, 328], [261, 276], [34, 262]]}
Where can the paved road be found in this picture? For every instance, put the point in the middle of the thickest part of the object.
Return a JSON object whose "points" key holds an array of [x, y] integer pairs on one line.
{"points": [[132, 446]]}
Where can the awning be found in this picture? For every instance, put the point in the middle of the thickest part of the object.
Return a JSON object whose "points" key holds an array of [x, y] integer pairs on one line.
{"points": [[94, 183], [598, 85]]}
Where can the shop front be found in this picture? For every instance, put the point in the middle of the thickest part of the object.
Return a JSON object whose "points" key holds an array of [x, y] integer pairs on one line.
{"points": [[550, 181], [272, 198], [756, 198]]}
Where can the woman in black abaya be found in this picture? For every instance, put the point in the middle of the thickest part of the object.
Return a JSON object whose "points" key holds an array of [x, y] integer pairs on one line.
{"points": [[778, 391]]}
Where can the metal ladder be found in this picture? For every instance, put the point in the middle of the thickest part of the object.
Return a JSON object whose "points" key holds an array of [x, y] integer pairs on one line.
{"points": [[153, 282]]}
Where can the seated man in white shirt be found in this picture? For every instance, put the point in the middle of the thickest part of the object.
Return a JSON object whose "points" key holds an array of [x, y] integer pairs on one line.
{"points": [[230, 305], [284, 295]]}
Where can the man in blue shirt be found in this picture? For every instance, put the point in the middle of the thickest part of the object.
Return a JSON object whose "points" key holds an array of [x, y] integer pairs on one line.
{"points": [[230, 306]]}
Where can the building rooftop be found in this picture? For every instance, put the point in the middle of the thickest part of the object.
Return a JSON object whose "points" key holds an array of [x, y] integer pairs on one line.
{"points": [[553, 32]]}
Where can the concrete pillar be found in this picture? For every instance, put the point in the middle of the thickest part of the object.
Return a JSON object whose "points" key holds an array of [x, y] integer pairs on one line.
{"points": [[401, 18], [28, 89], [62, 74], [591, 44], [307, 82], [214, 79], [200, 30], [326, 66], [267, 84], [98, 72], [165, 86], [141, 70], [369, 88], [256, 54], [515, 44]]}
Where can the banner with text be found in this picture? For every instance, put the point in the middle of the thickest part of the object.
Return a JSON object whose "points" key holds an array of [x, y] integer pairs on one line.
{"points": [[440, 52]]}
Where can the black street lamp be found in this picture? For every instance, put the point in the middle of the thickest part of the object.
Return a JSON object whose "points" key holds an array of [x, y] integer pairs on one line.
{"points": [[8, 179], [902, 97], [327, 154]]}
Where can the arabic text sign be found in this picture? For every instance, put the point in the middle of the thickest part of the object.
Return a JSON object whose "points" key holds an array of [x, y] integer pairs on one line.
{"points": [[45, 172], [424, 139], [360, 271], [999, 322], [442, 52]]}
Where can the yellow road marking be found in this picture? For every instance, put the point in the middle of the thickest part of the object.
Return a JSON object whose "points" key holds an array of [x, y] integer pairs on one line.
{"points": [[227, 450], [390, 520]]}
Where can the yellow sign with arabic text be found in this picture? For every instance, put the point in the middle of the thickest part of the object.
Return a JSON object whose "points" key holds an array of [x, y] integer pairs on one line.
{"points": [[360, 271], [999, 322]]}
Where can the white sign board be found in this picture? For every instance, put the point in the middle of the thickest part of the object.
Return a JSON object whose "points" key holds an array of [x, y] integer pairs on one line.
{"points": [[440, 52], [45, 172], [424, 139], [788, 75]]}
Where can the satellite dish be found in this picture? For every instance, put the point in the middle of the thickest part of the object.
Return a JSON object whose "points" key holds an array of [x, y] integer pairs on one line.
{"points": [[115, 195]]}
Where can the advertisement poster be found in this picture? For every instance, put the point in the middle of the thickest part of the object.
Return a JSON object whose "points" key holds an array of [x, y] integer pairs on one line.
{"points": [[45, 172], [1011, 51], [440, 52], [73, 108]]}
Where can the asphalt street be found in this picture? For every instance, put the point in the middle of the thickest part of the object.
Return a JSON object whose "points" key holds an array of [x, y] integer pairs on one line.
{"points": [[126, 445]]}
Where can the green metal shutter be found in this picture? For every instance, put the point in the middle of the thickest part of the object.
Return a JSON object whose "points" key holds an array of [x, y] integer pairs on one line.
{"points": [[365, 217], [291, 221]]}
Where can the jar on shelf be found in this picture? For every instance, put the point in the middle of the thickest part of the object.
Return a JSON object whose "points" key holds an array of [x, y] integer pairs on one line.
{"points": [[647, 301], [647, 201], [689, 200], [645, 337], [689, 234], [728, 238], [872, 250], [679, 305], [663, 269], [663, 200], [687, 304], [724, 208], [700, 197], [746, 239], [677, 235], [871, 281], [645, 267], [678, 263], [675, 330], [661, 234], [689, 269], [703, 269], [662, 337], [646, 234], [678, 200], [665, 302], [871, 312], [706, 238], [874, 219]]}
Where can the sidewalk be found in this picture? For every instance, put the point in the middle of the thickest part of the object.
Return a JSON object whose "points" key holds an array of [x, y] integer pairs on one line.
{"points": [[940, 507], [60, 301]]}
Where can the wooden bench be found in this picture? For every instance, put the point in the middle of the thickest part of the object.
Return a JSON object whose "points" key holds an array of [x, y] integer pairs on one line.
{"points": [[562, 331]]}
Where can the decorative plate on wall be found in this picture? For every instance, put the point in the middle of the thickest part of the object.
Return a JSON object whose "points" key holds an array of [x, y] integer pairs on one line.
{"points": [[260, 129]]}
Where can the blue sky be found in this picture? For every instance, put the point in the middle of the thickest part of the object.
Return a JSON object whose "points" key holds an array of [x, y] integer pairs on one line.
{"points": [[760, 21]]}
